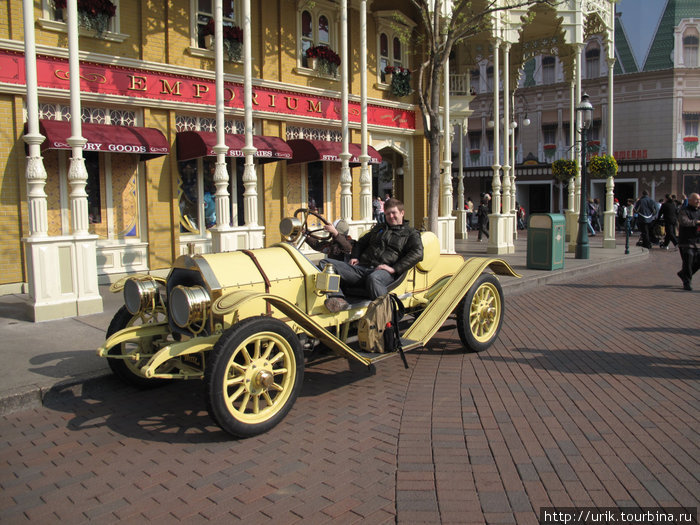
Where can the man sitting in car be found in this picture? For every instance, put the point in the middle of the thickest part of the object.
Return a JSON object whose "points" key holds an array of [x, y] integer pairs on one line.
{"points": [[381, 255]]}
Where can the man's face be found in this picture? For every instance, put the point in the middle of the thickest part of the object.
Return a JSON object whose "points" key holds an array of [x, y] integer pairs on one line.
{"points": [[694, 200], [394, 216]]}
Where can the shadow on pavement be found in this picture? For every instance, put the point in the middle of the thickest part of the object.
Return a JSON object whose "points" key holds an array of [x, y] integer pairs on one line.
{"points": [[592, 362]]}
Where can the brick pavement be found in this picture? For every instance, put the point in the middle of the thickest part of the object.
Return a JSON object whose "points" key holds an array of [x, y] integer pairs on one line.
{"points": [[589, 397]]}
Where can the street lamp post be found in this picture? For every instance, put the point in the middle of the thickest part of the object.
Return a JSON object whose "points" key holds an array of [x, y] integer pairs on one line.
{"points": [[585, 117]]}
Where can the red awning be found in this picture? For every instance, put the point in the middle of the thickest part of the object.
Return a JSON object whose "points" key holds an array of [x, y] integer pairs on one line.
{"points": [[147, 142], [323, 150], [195, 144]]}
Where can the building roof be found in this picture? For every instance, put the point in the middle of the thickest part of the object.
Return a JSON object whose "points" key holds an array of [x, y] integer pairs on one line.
{"points": [[625, 63], [661, 51]]}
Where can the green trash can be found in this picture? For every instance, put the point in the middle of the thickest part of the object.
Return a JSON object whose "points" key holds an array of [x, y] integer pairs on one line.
{"points": [[546, 233]]}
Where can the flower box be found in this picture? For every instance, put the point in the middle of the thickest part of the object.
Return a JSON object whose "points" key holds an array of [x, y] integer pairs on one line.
{"points": [[399, 79], [92, 14], [564, 169], [549, 150], [233, 39], [474, 154], [323, 59], [690, 143]]}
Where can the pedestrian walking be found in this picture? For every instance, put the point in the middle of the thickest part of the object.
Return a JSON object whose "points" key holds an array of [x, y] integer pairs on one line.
{"points": [[645, 208], [669, 215], [482, 217], [689, 240]]}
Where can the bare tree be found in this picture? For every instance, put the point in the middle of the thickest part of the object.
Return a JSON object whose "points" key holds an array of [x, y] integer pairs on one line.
{"points": [[440, 33]]}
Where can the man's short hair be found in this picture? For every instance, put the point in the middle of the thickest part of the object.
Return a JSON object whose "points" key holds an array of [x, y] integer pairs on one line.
{"points": [[393, 203], [645, 193]]}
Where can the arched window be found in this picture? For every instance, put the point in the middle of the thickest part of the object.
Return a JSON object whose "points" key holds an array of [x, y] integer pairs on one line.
{"points": [[393, 33], [390, 53], [316, 28], [593, 62], [690, 51]]}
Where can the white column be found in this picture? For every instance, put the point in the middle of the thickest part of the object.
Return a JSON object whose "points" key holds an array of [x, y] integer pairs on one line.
{"points": [[345, 176], [77, 174], [497, 242], [35, 172], [573, 214], [508, 192], [571, 202], [250, 179], [365, 175], [446, 195], [609, 214], [221, 176]]}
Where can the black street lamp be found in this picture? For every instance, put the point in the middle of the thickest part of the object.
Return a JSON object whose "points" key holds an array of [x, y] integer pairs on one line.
{"points": [[585, 116]]}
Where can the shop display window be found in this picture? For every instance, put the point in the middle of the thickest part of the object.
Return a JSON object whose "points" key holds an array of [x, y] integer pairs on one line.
{"points": [[196, 194]]}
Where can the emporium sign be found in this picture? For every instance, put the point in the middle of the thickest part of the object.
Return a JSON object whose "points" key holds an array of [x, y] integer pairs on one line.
{"points": [[108, 79]]}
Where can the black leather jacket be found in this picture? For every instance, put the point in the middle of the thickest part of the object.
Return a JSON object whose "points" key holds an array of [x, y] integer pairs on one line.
{"points": [[397, 246]]}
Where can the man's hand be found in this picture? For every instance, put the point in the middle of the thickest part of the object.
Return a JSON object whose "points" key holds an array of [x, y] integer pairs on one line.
{"points": [[353, 262], [330, 229], [386, 268]]}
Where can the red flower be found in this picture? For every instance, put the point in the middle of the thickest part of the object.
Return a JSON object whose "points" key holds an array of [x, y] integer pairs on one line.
{"points": [[323, 53], [233, 33], [550, 146], [690, 139], [91, 7], [390, 70]]}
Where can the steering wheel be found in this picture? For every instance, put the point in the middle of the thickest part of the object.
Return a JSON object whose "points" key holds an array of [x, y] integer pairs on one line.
{"points": [[318, 234]]}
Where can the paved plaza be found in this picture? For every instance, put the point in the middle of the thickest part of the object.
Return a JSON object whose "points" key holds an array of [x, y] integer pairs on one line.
{"points": [[590, 397]]}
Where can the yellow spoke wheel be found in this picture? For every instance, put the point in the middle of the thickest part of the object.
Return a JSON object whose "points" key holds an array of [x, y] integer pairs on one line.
{"points": [[254, 376], [480, 313]]}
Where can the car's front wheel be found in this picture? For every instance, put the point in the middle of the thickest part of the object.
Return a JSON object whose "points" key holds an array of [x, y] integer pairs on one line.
{"points": [[129, 370], [254, 375], [480, 314]]}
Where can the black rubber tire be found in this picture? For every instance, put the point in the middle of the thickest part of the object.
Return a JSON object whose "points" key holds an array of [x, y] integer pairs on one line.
{"points": [[477, 324], [127, 370], [241, 376]]}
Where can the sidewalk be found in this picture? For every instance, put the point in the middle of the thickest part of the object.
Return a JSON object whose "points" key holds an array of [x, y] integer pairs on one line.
{"points": [[40, 356]]}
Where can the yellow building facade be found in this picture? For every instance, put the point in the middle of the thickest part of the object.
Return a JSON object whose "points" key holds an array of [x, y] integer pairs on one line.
{"points": [[152, 70]]}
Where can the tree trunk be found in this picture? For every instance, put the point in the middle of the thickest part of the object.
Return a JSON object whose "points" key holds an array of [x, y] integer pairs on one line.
{"points": [[434, 180]]}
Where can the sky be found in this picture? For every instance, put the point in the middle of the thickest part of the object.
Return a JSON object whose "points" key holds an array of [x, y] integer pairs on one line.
{"points": [[639, 18]]}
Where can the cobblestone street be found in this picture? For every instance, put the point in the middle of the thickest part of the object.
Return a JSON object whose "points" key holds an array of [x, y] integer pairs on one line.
{"points": [[590, 397]]}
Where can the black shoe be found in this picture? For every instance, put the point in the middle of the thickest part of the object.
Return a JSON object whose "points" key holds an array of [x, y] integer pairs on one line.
{"points": [[686, 286], [336, 304]]}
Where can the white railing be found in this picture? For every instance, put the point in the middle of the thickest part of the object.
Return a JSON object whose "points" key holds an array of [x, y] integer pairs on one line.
{"points": [[459, 84]]}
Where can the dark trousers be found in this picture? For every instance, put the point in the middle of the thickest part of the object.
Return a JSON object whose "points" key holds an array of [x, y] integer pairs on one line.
{"points": [[369, 282], [483, 229], [670, 236], [691, 262], [644, 233]]}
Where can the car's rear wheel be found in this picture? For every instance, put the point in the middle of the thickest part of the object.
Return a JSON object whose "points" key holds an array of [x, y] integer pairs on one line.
{"points": [[480, 314], [254, 375], [129, 370]]}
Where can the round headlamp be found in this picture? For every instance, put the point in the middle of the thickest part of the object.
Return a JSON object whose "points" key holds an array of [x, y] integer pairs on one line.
{"points": [[290, 227], [188, 304], [139, 295]]}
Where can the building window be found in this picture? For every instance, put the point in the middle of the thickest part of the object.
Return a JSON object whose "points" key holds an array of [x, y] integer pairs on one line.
{"points": [[593, 62], [690, 51], [57, 11], [474, 140], [205, 13], [390, 53], [112, 185], [489, 78], [315, 187], [549, 134], [316, 28], [548, 65], [196, 185], [474, 76], [690, 123]]}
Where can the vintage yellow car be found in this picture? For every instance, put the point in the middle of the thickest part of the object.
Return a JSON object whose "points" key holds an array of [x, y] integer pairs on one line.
{"points": [[243, 321]]}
